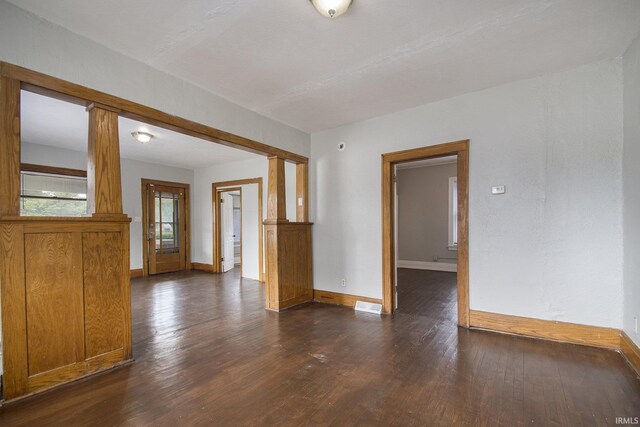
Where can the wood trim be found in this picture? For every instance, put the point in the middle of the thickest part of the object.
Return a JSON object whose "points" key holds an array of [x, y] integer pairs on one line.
{"points": [[389, 160], [9, 146], [145, 221], [594, 336], [136, 272], [630, 351], [328, 297], [302, 192], [36, 82], [276, 191], [202, 267], [215, 216], [52, 170]]}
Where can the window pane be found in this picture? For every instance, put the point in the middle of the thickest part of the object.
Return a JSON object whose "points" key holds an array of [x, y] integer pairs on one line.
{"points": [[53, 195]]}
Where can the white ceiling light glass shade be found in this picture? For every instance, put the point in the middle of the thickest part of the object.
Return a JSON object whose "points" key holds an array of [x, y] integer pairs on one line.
{"points": [[142, 137], [332, 8]]}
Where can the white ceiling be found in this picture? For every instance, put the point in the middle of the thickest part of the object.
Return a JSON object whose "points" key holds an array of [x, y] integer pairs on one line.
{"points": [[284, 60], [47, 121]]}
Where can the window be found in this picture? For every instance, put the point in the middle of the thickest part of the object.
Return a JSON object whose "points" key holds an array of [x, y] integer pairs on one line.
{"points": [[45, 194], [453, 213]]}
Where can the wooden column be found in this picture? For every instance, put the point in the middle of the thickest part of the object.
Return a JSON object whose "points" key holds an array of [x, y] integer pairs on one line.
{"points": [[302, 192], [9, 147], [103, 172], [276, 191], [288, 244]]}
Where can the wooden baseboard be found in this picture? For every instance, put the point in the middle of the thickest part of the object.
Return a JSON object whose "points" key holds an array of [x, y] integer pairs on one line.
{"points": [[341, 299], [137, 272], [546, 329], [630, 351], [202, 267]]}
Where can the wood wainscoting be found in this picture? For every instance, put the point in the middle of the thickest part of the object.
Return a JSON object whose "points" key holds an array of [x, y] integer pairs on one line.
{"points": [[65, 299], [289, 272], [347, 300], [594, 336]]}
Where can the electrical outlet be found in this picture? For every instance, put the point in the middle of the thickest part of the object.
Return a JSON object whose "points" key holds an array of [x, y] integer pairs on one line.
{"points": [[343, 283]]}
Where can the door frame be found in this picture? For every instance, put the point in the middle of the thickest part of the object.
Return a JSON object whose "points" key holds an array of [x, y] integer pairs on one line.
{"points": [[217, 188], [145, 221], [389, 161]]}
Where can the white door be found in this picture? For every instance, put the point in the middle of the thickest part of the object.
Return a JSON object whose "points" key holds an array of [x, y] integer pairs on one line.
{"points": [[227, 232]]}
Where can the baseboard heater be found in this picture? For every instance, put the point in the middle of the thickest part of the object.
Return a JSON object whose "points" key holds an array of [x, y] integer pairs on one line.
{"points": [[368, 307]]}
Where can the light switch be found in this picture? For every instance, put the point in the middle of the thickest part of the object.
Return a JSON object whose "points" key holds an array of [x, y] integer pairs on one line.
{"points": [[300, 200], [498, 189]]}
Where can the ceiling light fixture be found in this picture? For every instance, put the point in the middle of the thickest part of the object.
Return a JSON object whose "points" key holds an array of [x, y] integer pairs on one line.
{"points": [[332, 8], [142, 137]]}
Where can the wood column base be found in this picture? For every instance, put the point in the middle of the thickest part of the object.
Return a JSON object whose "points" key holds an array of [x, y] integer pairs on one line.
{"points": [[289, 274]]}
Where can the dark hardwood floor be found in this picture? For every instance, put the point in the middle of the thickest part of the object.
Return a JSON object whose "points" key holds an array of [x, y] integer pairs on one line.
{"points": [[428, 293], [207, 353]]}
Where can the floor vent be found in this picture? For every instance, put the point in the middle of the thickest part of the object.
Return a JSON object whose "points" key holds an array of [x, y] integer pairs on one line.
{"points": [[368, 307]]}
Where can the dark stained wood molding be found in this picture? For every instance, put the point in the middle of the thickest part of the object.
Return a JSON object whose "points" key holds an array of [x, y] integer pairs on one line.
{"points": [[136, 272], [52, 170], [216, 187], [145, 220], [43, 84], [630, 351], [328, 297], [593, 336], [389, 160], [9, 146]]}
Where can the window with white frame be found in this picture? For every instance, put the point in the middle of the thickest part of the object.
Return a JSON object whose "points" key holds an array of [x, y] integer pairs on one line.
{"points": [[453, 213]]}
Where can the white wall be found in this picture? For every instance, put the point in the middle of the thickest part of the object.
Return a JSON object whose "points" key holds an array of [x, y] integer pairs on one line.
{"points": [[631, 177], [132, 171], [31, 42], [550, 248], [202, 241]]}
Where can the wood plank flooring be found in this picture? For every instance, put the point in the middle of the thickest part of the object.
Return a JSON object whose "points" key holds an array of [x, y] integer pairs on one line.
{"points": [[207, 353]]}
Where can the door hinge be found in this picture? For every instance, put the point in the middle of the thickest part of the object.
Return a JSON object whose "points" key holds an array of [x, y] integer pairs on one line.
{"points": [[222, 259]]}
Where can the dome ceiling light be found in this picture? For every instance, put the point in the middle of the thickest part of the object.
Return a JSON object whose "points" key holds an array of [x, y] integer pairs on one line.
{"points": [[142, 137], [332, 8]]}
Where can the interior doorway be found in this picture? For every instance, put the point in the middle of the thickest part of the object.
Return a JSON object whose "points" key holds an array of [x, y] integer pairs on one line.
{"points": [[165, 227], [238, 227], [231, 226], [426, 241], [460, 149]]}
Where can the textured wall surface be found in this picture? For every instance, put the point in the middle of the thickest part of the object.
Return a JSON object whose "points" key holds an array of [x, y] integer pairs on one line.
{"points": [[550, 248], [631, 177], [423, 213]]}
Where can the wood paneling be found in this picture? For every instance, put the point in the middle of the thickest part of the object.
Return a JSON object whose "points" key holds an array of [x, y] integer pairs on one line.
{"points": [[9, 146], [28, 167], [60, 89], [302, 192], [289, 265], [216, 226], [630, 351], [104, 188], [276, 191], [546, 329], [104, 315], [347, 300], [65, 299], [53, 286], [389, 160]]}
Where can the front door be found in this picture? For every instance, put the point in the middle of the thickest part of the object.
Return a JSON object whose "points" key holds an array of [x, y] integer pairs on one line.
{"points": [[166, 233]]}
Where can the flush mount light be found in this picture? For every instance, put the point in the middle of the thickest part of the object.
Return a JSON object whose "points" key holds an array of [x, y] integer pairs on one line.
{"points": [[332, 8], [142, 137]]}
